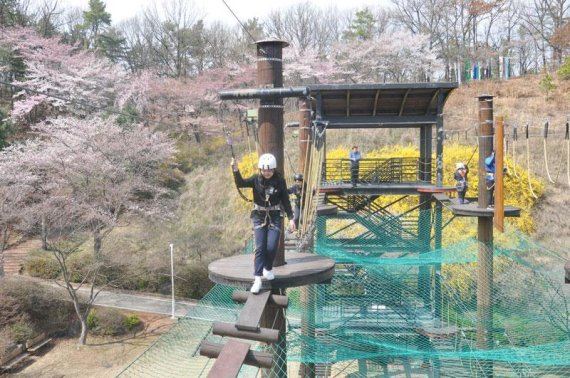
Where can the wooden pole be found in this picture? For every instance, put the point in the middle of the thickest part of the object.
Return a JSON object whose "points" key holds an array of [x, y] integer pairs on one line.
{"points": [[307, 369], [499, 219], [485, 238], [270, 119]]}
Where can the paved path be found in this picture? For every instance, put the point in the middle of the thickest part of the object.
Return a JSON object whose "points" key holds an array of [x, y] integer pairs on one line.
{"points": [[143, 303]]}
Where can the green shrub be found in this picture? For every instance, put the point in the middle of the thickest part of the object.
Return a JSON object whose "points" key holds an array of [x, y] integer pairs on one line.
{"points": [[107, 322], [92, 319], [193, 282], [132, 322], [42, 266], [564, 71], [22, 331]]}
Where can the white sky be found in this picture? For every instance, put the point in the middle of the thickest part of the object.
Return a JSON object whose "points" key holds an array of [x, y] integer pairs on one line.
{"points": [[216, 10]]}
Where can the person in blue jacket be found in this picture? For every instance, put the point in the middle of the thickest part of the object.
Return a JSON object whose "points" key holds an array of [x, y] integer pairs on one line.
{"points": [[354, 157], [490, 178], [269, 197]]}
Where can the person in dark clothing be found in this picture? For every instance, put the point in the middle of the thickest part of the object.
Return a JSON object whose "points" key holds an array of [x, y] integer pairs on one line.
{"points": [[298, 190], [354, 157], [460, 177], [269, 197], [490, 178]]}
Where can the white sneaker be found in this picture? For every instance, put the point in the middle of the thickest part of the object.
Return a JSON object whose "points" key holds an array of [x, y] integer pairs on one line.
{"points": [[268, 274], [256, 285]]}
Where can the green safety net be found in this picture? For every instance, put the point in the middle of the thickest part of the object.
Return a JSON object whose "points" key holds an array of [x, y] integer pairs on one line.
{"points": [[403, 302]]}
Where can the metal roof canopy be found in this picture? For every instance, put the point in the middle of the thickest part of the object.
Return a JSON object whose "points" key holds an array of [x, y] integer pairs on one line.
{"points": [[379, 105]]}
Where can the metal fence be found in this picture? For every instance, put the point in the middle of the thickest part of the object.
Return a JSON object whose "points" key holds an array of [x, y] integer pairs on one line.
{"points": [[372, 171]]}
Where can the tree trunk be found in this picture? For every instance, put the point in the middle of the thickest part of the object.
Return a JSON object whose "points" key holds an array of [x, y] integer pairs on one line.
{"points": [[97, 244], [84, 332], [44, 234]]}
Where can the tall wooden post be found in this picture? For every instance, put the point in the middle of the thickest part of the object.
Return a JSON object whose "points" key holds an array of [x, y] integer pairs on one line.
{"points": [[499, 219], [307, 369], [270, 120], [485, 238], [424, 232]]}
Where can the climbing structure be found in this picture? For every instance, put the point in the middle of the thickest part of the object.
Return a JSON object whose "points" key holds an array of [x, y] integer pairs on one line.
{"points": [[374, 289]]}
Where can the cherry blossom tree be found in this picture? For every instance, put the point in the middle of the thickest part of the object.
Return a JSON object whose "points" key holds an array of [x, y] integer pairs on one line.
{"points": [[396, 57], [56, 73], [94, 175]]}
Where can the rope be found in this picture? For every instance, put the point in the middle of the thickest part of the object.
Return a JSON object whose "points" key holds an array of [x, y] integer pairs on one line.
{"points": [[515, 138], [528, 164], [545, 153]]}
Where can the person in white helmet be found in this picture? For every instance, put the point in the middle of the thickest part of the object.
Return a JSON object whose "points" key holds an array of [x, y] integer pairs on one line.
{"points": [[461, 182], [269, 197]]}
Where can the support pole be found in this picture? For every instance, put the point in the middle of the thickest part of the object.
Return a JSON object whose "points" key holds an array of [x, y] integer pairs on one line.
{"points": [[499, 219], [307, 369], [270, 118], [425, 175], [485, 238]]}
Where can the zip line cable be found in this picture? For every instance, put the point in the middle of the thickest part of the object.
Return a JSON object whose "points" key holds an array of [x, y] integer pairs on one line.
{"points": [[239, 22]]}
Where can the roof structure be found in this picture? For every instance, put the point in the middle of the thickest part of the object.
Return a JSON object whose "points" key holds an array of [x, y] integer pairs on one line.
{"points": [[380, 105]]}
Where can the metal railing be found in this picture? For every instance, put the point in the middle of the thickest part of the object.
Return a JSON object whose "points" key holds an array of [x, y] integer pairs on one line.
{"points": [[373, 171]]}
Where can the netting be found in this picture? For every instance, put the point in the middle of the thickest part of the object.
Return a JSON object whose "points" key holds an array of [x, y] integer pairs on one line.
{"points": [[394, 313]]}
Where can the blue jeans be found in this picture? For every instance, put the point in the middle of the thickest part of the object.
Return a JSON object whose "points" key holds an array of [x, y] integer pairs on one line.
{"points": [[266, 231]]}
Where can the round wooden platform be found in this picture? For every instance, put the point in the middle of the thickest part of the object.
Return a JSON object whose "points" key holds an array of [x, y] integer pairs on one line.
{"points": [[300, 269], [437, 189], [472, 210]]}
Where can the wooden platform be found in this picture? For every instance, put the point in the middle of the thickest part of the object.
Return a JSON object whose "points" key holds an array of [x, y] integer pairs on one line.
{"points": [[300, 269], [471, 209]]}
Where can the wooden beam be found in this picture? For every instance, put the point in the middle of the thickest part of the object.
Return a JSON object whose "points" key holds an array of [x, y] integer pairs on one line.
{"points": [[229, 362], [252, 358], [266, 335], [250, 315], [376, 97], [404, 102], [499, 219], [431, 101], [241, 296], [348, 103]]}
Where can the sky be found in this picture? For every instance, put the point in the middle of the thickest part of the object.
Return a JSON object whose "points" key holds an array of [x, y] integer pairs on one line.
{"points": [[216, 10]]}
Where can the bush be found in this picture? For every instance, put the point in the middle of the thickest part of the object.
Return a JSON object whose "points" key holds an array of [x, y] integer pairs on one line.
{"points": [[107, 322], [132, 322], [22, 332], [193, 282], [92, 319], [564, 71], [42, 265], [26, 302]]}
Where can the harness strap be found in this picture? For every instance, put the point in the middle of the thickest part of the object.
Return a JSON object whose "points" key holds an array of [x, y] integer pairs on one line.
{"points": [[266, 208]]}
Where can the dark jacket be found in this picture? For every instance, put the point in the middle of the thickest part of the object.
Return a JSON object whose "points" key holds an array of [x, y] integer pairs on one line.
{"points": [[299, 192], [275, 188], [462, 182]]}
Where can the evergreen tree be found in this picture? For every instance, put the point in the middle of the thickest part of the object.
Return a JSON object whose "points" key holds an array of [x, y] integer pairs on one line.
{"points": [[363, 26], [95, 21]]}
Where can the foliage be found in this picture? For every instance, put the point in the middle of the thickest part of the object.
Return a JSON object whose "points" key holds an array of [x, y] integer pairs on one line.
{"points": [[21, 332], [564, 70], [194, 281], [43, 266], [132, 322], [362, 27], [547, 84], [108, 322]]}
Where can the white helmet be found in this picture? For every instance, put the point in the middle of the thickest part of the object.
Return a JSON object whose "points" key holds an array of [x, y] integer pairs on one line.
{"points": [[267, 161], [459, 165]]}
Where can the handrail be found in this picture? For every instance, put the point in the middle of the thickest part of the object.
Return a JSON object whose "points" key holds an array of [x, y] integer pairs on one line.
{"points": [[373, 171]]}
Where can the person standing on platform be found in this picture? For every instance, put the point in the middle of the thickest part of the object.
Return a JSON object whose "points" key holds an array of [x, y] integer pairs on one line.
{"points": [[269, 197], [354, 157], [460, 177], [490, 179], [298, 190]]}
